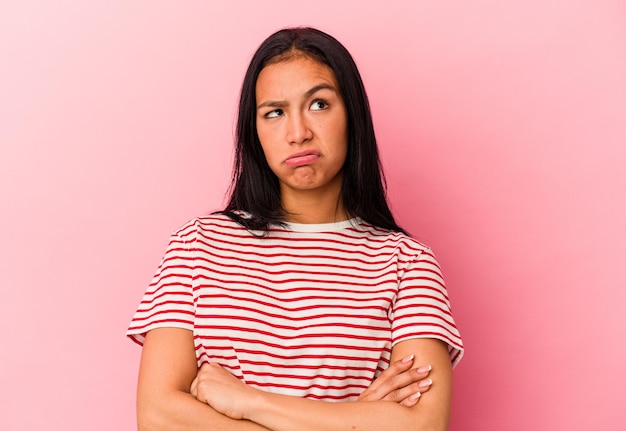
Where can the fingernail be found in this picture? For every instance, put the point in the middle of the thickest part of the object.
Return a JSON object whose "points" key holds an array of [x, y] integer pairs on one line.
{"points": [[426, 383], [425, 369], [407, 359], [416, 396]]}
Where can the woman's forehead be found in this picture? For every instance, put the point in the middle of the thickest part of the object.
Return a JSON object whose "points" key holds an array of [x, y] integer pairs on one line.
{"points": [[294, 73]]}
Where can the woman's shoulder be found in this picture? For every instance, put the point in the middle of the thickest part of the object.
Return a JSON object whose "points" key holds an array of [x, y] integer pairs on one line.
{"points": [[398, 239], [213, 222]]}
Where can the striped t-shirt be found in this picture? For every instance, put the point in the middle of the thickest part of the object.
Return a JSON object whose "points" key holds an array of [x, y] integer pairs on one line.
{"points": [[310, 310]]}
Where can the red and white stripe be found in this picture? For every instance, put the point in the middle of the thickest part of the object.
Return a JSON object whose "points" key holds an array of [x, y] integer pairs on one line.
{"points": [[309, 311]]}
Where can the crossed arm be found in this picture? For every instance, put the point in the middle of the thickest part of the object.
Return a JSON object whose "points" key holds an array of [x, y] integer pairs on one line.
{"points": [[222, 402]]}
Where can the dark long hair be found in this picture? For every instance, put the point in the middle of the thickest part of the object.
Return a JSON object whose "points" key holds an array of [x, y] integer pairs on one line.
{"points": [[255, 189]]}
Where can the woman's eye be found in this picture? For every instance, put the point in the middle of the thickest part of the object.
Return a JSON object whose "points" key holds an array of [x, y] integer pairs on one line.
{"points": [[318, 105], [275, 113]]}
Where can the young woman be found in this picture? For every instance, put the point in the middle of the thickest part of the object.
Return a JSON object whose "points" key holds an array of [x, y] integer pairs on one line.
{"points": [[303, 305]]}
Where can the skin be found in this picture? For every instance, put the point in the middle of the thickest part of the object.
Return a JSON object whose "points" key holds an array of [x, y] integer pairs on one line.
{"points": [[299, 110], [233, 398], [168, 367]]}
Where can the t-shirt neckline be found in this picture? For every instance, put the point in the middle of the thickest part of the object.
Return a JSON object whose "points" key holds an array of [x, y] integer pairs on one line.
{"points": [[321, 227]]}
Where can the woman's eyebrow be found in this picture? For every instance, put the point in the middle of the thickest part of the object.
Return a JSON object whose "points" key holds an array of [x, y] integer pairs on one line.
{"points": [[317, 88], [309, 93], [272, 104]]}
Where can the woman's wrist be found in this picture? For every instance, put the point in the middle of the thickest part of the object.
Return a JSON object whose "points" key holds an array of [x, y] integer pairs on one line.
{"points": [[257, 404]]}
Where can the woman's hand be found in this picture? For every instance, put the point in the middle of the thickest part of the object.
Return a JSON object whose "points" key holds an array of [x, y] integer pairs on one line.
{"points": [[399, 383], [221, 390], [230, 396]]}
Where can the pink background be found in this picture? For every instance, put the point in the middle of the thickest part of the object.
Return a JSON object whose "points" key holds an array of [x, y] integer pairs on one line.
{"points": [[502, 126]]}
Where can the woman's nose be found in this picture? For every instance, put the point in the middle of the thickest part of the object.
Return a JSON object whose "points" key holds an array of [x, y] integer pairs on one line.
{"points": [[298, 130]]}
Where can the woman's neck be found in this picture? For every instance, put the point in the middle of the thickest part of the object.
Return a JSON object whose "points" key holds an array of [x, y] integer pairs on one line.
{"points": [[311, 208]]}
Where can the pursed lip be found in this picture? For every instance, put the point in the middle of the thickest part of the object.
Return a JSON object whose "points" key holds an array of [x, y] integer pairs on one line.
{"points": [[302, 158]]}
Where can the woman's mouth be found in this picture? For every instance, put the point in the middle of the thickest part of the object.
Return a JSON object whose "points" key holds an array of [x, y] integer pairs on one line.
{"points": [[302, 158]]}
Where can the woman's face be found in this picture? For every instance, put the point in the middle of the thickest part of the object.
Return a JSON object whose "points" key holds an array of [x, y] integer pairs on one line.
{"points": [[302, 125]]}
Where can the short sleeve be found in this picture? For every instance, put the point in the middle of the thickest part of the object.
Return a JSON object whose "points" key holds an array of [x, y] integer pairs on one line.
{"points": [[168, 301], [422, 308]]}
